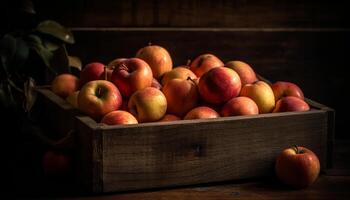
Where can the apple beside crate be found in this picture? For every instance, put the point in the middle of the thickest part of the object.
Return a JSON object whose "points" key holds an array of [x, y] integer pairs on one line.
{"points": [[166, 154]]}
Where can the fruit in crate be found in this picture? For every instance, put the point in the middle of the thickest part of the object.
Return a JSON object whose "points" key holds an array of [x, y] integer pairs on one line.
{"points": [[156, 84], [119, 117], [284, 88], [178, 72], [245, 72], [92, 71], [73, 99], [130, 75], [205, 62], [298, 167], [219, 85], [201, 112], [239, 106], [99, 97], [169, 117], [261, 93], [158, 59], [64, 85], [181, 95], [148, 105], [291, 103]]}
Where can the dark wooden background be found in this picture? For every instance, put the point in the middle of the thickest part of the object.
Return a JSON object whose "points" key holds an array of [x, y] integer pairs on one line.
{"points": [[302, 41]]}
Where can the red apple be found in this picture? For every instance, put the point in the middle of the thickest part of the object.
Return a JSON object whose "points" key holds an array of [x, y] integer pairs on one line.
{"points": [[119, 117], [219, 85], [64, 84], [245, 72], [156, 84], [205, 62], [158, 59], [180, 72], [92, 71], [148, 104], [56, 163], [298, 167], [97, 98], [131, 75], [202, 112], [291, 103], [181, 95], [239, 106], [169, 117], [283, 88], [261, 93], [115, 62]]}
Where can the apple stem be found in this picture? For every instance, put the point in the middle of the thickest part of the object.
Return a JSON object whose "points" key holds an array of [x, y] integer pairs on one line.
{"points": [[189, 78], [105, 72], [188, 62], [123, 67], [296, 149], [99, 90], [149, 43]]}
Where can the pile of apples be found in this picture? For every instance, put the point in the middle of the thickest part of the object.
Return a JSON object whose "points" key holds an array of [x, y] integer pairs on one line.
{"points": [[147, 88]]}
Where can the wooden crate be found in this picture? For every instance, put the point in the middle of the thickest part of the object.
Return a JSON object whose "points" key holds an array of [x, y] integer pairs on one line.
{"points": [[166, 154]]}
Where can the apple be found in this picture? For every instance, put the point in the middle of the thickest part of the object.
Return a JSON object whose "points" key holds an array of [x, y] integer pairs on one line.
{"points": [[64, 84], [201, 112], [107, 74], [261, 93], [158, 59], [180, 72], [181, 95], [148, 104], [291, 103], [115, 62], [169, 117], [297, 166], [239, 106], [205, 62], [56, 163], [131, 75], [119, 117], [245, 72], [284, 88], [219, 85], [73, 99], [156, 84], [92, 71], [99, 97]]}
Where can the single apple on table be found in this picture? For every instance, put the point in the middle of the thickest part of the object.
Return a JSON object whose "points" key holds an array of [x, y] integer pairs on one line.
{"points": [[92, 71], [148, 105], [131, 75], [119, 117], [180, 72], [64, 84], [245, 72], [239, 106], [158, 59], [297, 166], [169, 117], [290, 104], [181, 95], [205, 62], [73, 99], [56, 163], [99, 97], [201, 112], [261, 93], [219, 85], [284, 88]]}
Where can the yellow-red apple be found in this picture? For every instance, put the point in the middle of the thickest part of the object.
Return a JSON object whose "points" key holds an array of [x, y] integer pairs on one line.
{"points": [[201, 112], [290, 104], [119, 117], [156, 84], [245, 72], [178, 72], [239, 106], [64, 84], [131, 75], [92, 71], [298, 167], [205, 62], [99, 97], [261, 93], [284, 88], [181, 95], [219, 85], [148, 104], [169, 117], [158, 59]]}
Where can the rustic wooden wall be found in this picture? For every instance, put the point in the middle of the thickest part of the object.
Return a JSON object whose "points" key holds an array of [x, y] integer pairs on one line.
{"points": [[304, 41]]}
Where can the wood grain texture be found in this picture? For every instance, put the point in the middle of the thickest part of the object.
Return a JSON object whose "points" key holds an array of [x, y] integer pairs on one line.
{"points": [[196, 13]]}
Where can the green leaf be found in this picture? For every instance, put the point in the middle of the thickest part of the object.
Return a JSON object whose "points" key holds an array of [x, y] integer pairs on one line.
{"points": [[51, 46], [56, 30], [75, 62], [60, 61], [21, 55], [46, 55], [29, 94], [7, 51]]}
